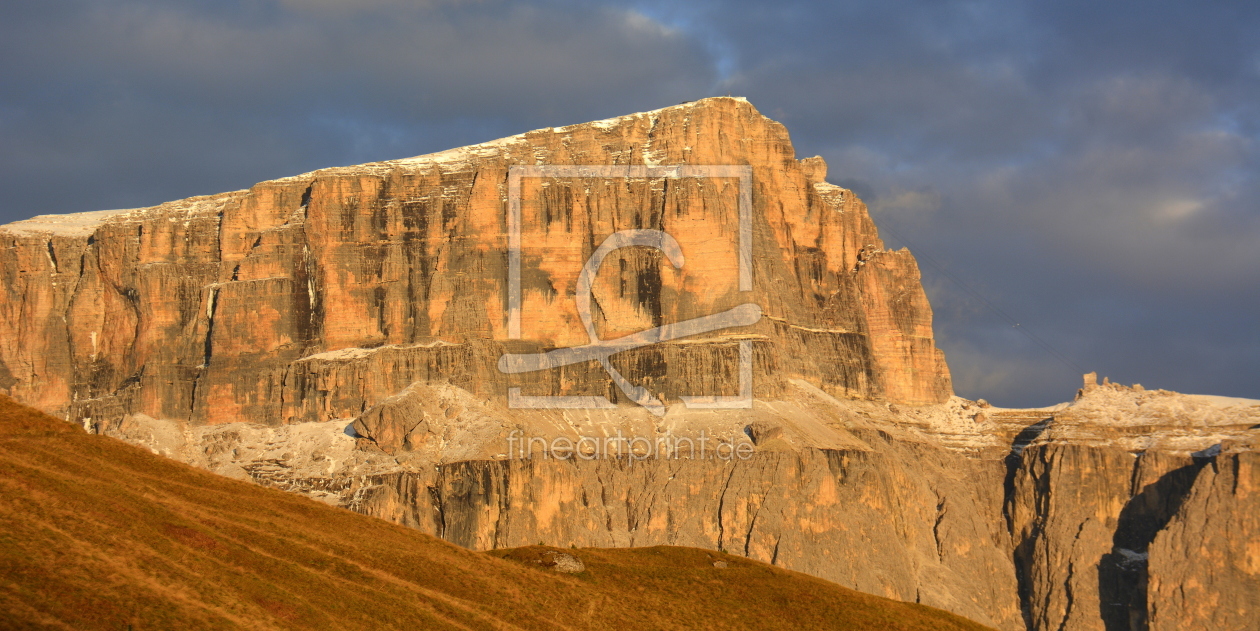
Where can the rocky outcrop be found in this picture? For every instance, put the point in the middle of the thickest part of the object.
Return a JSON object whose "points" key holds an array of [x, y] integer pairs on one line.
{"points": [[1107, 504]]}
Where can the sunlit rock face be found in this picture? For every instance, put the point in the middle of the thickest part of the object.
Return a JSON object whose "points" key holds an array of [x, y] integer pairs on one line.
{"points": [[315, 296]]}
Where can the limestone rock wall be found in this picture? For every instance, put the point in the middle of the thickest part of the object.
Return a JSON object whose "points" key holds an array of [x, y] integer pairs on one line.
{"points": [[859, 518], [1126, 513], [1084, 518], [1204, 568], [315, 296]]}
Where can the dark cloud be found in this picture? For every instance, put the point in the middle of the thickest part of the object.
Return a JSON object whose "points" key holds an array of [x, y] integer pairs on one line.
{"points": [[171, 100], [1088, 168]]}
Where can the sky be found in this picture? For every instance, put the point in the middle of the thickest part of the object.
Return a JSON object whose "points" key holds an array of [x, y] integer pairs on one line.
{"points": [[1078, 179]]}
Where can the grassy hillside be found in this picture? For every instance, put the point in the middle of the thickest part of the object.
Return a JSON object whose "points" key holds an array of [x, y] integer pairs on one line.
{"points": [[97, 534]]}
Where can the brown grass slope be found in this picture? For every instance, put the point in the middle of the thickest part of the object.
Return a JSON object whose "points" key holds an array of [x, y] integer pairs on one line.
{"points": [[97, 534]]}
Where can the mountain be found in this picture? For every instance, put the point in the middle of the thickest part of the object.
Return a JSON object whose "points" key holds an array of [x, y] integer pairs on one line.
{"points": [[426, 341], [309, 297], [98, 534]]}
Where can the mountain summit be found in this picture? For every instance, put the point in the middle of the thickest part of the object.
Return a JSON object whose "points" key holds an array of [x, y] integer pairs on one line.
{"points": [[312, 297]]}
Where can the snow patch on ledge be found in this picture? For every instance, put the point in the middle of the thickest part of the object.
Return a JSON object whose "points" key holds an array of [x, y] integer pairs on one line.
{"points": [[1210, 452], [356, 352], [69, 225], [487, 149], [1224, 402], [492, 148]]}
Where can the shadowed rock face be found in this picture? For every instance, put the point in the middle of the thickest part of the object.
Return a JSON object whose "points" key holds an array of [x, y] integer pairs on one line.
{"points": [[1205, 566], [337, 333], [312, 297]]}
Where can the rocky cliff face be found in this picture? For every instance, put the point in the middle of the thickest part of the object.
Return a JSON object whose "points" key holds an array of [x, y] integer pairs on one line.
{"points": [[313, 297], [1108, 502], [338, 334], [1204, 567]]}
